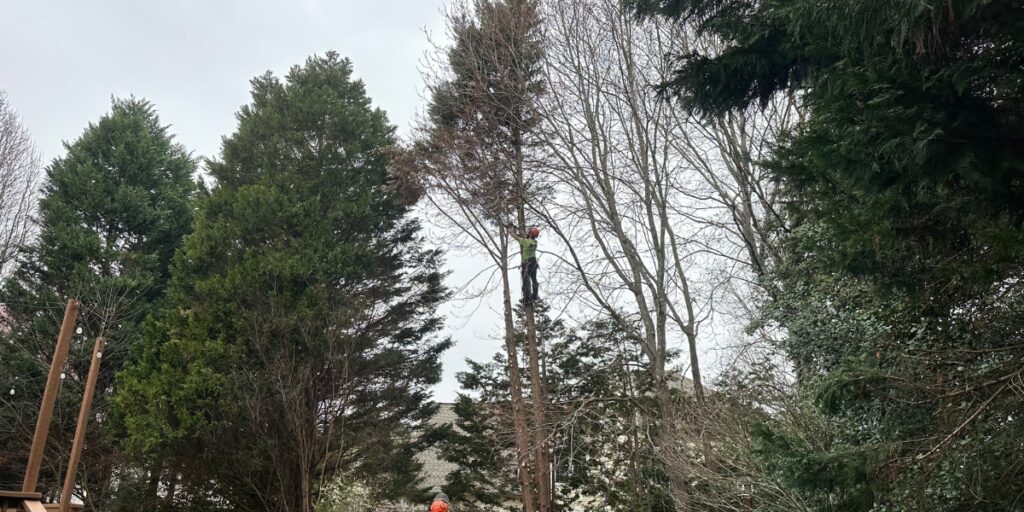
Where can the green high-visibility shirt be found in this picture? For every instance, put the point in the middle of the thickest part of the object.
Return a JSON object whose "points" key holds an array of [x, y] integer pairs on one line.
{"points": [[528, 248]]}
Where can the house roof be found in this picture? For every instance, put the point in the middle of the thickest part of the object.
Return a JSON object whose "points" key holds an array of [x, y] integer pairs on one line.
{"points": [[435, 469]]}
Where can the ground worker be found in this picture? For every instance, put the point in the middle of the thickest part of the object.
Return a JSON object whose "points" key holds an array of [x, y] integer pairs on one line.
{"points": [[528, 251], [440, 503]]}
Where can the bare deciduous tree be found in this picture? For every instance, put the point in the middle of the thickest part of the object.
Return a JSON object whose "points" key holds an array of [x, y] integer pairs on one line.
{"points": [[719, 441], [611, 158], [19, 178], [662, 216]]}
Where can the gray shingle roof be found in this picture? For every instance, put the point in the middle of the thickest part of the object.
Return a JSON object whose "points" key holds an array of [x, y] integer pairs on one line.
{"points": [[436, 470]]}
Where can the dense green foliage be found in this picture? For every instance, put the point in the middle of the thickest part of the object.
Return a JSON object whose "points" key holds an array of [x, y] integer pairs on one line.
{"points": [[114, 210], [302, 339], [901, 290]]}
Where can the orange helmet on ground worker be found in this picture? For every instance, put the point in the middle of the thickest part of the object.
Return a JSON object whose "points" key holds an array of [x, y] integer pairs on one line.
{"points": [[440, 503]]}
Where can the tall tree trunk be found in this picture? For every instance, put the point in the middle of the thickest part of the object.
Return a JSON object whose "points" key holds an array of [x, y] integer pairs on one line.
{"points": [[523, 471], [698, 385], [304, 483], [541, 450], [668, 447]]}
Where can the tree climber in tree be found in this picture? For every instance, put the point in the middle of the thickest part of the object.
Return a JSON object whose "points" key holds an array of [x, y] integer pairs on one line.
{"points": [[528, 251]]}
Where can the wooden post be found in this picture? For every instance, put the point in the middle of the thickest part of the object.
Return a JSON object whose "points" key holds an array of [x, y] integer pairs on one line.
{"points": [[83, 421], [60, 356]]}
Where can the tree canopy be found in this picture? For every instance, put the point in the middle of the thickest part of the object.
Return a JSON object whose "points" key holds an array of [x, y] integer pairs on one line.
{"points": [[113, 211], [812, 208], [303, 296]]}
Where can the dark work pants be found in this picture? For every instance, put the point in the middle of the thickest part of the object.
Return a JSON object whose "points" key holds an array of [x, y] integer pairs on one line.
{"points": [[530, 286]]}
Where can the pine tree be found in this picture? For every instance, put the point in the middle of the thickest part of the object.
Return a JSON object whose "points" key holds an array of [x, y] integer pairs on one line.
{"points": [[600, 404], [481, 443], [302, 342], [113, 212], [606, 418]]}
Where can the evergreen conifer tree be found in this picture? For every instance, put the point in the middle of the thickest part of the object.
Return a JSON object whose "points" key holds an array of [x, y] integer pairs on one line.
{"points": [[113, 211], [900, 291], [601, 406], [302, 341]]}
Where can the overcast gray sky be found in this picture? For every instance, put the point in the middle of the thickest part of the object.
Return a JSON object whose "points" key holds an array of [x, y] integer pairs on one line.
{"points": [[62, 60]]}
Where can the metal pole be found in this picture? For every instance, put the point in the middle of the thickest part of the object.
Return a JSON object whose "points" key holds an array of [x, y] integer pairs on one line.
{"points": [[83, 421], [60, 356]]}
